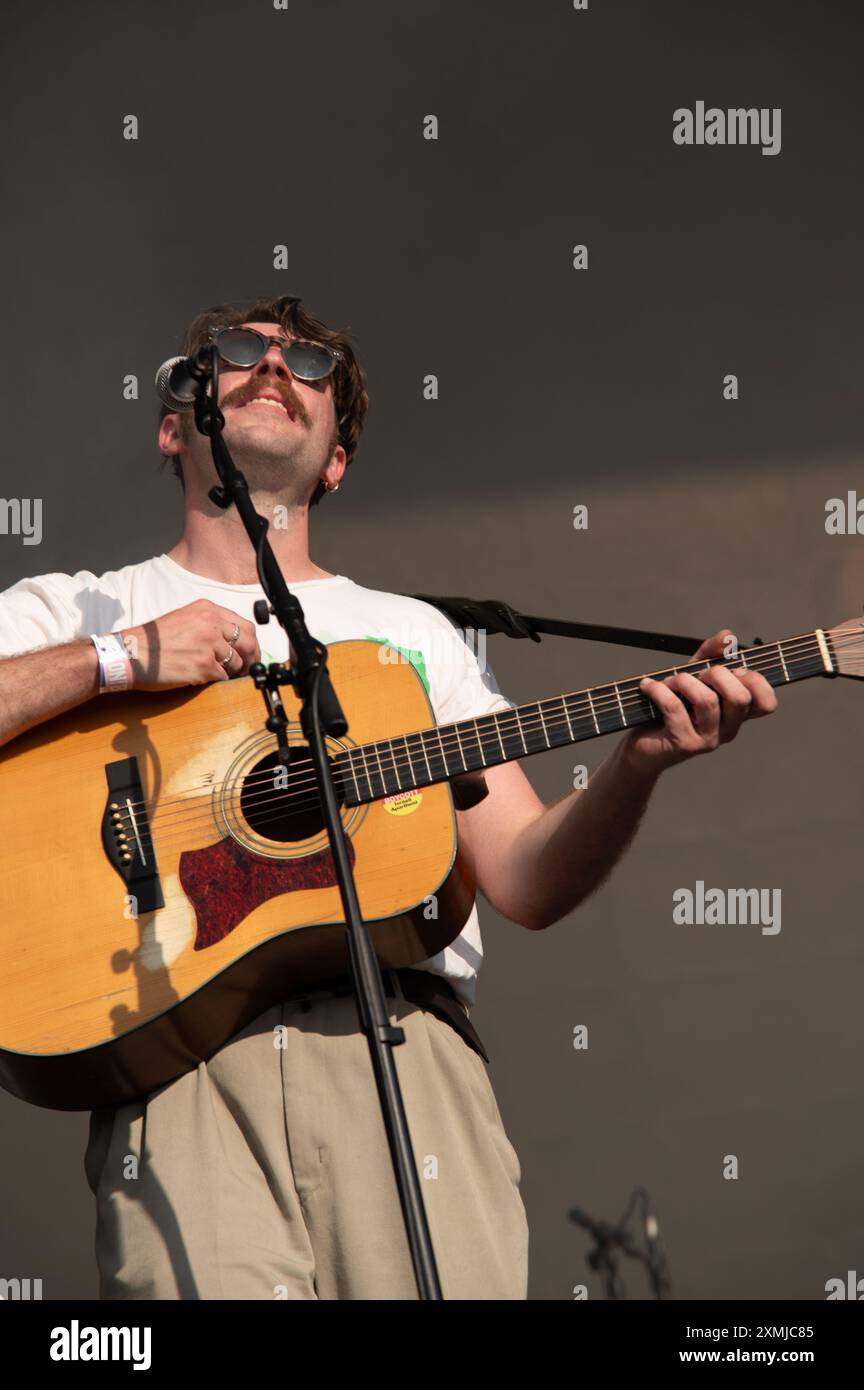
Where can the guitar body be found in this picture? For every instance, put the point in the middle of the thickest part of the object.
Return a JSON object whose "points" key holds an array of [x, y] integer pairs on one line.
{"points": [[114, 982]]}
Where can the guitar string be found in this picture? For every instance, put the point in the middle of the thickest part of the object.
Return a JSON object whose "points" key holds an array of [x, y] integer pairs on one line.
{"points": [[291, 811], [508, 722], [391, 764]]}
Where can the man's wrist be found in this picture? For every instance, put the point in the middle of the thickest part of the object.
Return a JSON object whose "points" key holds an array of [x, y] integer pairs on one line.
{"points": [[114, 654], [636, 764]]}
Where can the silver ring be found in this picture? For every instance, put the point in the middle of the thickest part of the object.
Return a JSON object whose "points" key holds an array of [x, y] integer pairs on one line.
{"points": [[235, 634]]}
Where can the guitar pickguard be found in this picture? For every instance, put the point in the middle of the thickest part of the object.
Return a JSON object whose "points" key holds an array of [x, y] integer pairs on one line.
{"points": [[225, 883]]}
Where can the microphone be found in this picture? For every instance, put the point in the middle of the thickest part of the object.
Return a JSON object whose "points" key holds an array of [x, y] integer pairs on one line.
{"points": [[652, 1228], [657, 1268], [175, 384]]}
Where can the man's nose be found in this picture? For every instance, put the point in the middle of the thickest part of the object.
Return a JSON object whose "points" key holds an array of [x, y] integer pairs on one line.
{"points": [[273, 363]]}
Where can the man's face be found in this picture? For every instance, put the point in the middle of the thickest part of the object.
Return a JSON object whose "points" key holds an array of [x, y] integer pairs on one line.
{"points": [[279, 429]]}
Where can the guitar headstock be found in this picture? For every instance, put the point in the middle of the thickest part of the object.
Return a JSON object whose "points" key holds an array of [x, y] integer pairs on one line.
{"points": [[847, 641]]}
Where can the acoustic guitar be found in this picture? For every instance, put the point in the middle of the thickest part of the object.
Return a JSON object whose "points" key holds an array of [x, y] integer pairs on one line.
{"points": [[166, 879]]}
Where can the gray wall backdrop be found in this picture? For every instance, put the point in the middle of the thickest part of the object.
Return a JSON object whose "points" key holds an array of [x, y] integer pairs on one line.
{"points": [[603, 386]]}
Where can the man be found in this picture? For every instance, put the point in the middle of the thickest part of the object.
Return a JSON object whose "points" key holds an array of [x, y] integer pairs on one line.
{"points": [[265, 1172]]}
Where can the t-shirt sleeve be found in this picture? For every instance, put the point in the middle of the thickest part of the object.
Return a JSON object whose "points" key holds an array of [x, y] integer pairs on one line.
{"points": [[466, 685], [36, 613], [51, 609]]}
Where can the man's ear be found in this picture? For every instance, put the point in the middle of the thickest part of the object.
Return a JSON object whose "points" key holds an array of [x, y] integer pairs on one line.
{"points": [[171, 437], [335, 468]]}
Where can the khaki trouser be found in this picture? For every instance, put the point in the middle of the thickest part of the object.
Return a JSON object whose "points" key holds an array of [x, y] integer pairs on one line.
{"points": [[265, 1173]]}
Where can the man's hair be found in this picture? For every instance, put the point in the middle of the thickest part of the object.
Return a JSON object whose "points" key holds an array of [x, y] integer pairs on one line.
{"points": [[350, 397]]}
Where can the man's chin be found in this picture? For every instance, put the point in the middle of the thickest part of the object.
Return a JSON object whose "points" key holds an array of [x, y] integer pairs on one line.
{"points": [[264, 439], [268, 469]]}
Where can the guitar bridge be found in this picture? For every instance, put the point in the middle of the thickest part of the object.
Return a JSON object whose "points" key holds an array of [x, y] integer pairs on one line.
{"points": [[126, 836]]}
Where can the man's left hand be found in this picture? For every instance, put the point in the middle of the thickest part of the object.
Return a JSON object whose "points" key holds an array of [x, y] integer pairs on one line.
{"points": [[719, 700]]}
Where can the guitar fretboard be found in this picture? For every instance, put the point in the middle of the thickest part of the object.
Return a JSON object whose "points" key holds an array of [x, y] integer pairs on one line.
{"points": [[374, 770]]}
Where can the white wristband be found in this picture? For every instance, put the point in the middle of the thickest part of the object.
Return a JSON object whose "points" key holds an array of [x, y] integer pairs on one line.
{"points": [[115, 668]]}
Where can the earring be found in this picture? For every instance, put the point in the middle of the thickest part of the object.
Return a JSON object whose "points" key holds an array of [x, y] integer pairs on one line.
{"points": [[334, 488]]}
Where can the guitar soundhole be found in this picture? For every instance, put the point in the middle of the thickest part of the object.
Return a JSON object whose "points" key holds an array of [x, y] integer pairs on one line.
{"points": [[282, 803]]}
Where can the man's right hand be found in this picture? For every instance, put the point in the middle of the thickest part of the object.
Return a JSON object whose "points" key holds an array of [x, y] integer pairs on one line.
{"points": [[188, 646]]}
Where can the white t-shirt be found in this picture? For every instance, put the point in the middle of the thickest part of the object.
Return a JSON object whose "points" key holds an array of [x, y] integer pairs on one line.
{"points": [[56, 608]]}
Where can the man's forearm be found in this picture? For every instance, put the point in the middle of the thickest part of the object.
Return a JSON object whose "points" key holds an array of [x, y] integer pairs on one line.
{"points": [[565, 853], [38, 685]]}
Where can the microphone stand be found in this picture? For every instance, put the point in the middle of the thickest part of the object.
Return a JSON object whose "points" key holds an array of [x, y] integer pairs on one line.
{"points": [[320, 714], [608, 1239]]}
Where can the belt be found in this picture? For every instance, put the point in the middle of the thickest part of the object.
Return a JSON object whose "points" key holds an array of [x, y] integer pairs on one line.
{"points": [[433, 992]]}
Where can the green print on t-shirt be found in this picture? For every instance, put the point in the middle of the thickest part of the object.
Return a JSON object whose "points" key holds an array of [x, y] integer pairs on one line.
{"points": [[407, 653]]}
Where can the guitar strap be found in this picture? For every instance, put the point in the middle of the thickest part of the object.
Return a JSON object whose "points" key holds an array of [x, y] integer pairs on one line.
{"points": [[493, 615]]}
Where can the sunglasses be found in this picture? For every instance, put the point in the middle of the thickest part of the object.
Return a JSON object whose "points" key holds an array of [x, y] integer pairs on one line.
{"points": [[244, 347]]}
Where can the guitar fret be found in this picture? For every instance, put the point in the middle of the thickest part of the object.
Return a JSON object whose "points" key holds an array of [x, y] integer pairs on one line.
{"points": [[521, 731], [354, 775], [620, 706], [512, 740], [366, 769], [491, 741], [479, 741], [567, 717], [472, 754], [783, 661], [426, 758], [461, 751], [608, 719], [412, 776], [442, 751], [392, 774], [413, 744], [395, 766], [500, 740], [593, 711], [532, 728], [380, 770], [543, 722], [434, 755]]}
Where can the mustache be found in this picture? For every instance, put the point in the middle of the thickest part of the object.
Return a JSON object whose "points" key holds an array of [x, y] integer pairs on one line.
{"points": [[242, 395]]}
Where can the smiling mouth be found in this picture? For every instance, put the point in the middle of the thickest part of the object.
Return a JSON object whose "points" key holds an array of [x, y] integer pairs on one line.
{"points": [[274, 405]]}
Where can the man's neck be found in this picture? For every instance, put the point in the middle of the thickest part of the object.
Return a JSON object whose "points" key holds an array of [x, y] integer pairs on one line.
{"points": [[217, 546]]}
